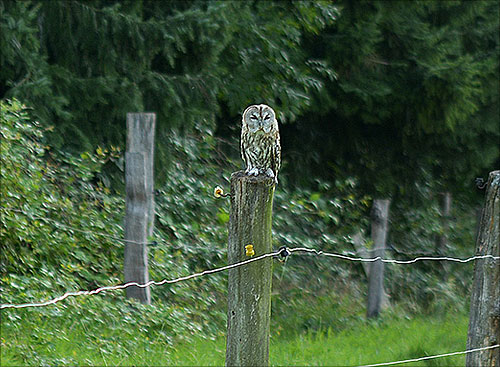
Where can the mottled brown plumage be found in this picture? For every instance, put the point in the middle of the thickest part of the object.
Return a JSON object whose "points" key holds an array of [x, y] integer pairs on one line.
{"points": [[260, 141]]}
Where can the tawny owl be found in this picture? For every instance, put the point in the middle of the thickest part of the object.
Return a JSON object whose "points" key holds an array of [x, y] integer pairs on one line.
{"points": [[260, 141]]}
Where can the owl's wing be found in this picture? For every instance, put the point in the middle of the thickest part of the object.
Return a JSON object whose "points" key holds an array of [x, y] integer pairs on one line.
{"points": [[244, 149], [276, 159]]}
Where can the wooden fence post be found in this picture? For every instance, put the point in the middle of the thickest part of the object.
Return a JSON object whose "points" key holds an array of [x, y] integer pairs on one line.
{"points": [[442, 239], [249, 287], [380, 215], [139, 217], [358, 242], [484, 321]]}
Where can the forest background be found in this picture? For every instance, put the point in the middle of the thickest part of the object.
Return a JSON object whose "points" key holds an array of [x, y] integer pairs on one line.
{"points": [[378, 99]]}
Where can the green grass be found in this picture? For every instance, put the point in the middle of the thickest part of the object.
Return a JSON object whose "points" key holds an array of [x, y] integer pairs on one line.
{"points": [[364, 343], [361, 343], [394, 340]]}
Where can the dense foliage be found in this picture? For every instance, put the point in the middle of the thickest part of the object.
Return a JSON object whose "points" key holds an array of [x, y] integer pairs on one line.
{"points": [[416, 90], [411, 84], [392, 99], [53, 208], [180, 59], [61, 227]]}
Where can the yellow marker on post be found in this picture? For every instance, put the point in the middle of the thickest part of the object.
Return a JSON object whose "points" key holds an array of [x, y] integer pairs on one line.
{"points": [[218, 192], [249, 250]]}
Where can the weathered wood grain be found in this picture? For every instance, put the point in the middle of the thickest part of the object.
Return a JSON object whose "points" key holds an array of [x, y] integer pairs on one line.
{"points": [[139, 216], [249, 288], [484, 322], [380, 215]]}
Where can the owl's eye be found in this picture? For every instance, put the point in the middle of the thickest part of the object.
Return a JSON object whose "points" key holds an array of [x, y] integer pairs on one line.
{"points": [[267, 117], [253, 117]]}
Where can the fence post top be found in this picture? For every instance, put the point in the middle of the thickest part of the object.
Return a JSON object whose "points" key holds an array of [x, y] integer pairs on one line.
{"points": [[241, 175]]}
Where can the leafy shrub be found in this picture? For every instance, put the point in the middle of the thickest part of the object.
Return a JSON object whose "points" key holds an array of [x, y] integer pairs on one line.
{"points": [[431, 286], [57, 219], [60, 230]]}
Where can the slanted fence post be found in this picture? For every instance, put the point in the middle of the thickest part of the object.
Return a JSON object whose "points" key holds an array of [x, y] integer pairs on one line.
{"points": [[484, 321], [442, 239], [139, 217], [249, 287], [380, 217], [358, 242]]}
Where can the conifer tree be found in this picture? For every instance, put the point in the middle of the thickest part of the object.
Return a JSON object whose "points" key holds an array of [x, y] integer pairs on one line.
{"points": [[82, 65], [416, 89]]}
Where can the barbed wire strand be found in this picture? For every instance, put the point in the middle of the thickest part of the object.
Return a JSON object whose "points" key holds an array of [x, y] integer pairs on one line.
{"points": [[391, 261], [147, 284], [431, 357], [227, 267]]}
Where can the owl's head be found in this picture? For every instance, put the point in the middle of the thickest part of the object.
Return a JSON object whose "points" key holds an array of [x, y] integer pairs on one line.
{"points": [[260, 117]]}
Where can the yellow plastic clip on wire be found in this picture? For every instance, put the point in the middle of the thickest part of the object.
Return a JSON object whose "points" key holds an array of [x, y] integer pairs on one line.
{"points": [[249, 250]]}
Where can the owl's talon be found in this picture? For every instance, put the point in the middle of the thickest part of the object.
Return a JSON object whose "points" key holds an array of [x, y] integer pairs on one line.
{"points": [[269, 172], [253, 172]]}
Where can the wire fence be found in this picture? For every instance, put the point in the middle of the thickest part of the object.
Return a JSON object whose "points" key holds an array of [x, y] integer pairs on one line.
{"points": [[130, 284], [392, 261], [282, 253]]}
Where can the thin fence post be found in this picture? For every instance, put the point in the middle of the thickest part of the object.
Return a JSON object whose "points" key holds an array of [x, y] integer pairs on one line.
{"points": [[358, 242], [442, 239], [380, 215], [484, 320], [139, 217], [249, 286]]}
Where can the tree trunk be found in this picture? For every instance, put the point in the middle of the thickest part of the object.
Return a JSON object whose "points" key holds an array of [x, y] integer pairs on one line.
{"points": [[484, 322], [380, 214], [139, 216], [249, 288]]}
